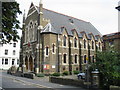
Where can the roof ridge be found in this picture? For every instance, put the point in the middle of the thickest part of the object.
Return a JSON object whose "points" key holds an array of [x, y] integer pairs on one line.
{"points": [[64, 14], [112, 33]]}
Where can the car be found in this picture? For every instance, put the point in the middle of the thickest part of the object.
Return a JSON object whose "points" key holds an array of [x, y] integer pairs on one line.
{"points": [[81, 75]]}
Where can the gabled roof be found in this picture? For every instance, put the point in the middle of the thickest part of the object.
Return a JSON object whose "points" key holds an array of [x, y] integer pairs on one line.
{"points": [[58, 20]]}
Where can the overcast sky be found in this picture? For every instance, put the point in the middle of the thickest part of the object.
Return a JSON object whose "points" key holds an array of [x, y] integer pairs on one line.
{"points": [[101, 13]]}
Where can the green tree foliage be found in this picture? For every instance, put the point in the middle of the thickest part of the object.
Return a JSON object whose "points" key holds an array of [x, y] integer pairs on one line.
{"points": [[108, 63], [10, 24]]}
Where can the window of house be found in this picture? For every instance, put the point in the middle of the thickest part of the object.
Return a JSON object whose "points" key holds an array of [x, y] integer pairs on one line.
{"points": [[111, 42], [13, 52], [64, 58], [64, 41], [75, 42], [13, 61], [14, 44], [17, 61], [2, 61], [92, 45], [47, 50], [99, 45], [85, 59], [93, 59], [53, 48], [6, 61], [84, 43], [75, 58], [6, 52]]}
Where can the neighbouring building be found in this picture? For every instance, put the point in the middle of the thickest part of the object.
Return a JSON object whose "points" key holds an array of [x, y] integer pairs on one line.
{"points": [[9, 55], [118, 8], [111, 41], [54, 42]]}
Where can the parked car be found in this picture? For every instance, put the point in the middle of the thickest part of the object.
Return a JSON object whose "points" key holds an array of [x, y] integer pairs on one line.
{"points": [[81, 75]]}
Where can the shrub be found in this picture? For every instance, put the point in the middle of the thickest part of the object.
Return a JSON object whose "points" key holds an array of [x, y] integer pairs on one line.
{"points": [[76, 72], [65, 73], [12, 70], [40, 75], [56, 74]]}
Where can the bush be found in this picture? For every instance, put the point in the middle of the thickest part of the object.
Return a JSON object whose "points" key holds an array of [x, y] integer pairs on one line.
{"points": [[76, 72], [56, 74], [12, 70], [65, 73], [40, 75]]}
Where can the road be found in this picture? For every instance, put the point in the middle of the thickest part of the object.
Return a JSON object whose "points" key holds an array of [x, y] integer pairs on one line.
{"points": [[10, 82]]}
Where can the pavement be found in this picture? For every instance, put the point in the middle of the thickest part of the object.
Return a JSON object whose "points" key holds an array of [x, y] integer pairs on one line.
{"points": [[42, 82]]}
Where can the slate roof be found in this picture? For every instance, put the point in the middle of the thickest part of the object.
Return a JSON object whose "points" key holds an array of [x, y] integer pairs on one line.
{"points": [[58, 20]]}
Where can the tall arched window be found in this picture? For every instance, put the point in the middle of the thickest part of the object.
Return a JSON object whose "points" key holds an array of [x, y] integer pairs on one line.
{"points": [[65, 57], [85, 59], [92, 44], [84, 43], [64, 41], [99, 45], [75, 58], [53, 48], [75, 42], [47, 50]]}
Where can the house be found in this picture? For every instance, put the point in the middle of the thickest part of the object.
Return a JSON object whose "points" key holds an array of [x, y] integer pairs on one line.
{"points": [[54, 42], [9, 55]]}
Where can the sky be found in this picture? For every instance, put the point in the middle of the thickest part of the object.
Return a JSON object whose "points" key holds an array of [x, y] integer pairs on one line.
{"points": [[100, 13]]}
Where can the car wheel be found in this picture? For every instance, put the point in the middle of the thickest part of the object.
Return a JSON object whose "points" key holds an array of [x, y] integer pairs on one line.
{"points": [[79, 77]]}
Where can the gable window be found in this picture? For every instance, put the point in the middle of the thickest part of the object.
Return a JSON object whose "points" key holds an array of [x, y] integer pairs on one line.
{"points": [[2, 61], [64, 41], [13, 61], [64, 58], [75, 58], [14, 44], [84, 43], [85, 59], [47, 50], [92, 45], [6, 61], [75, 42], [13, 52], [53, 48], [6, 52]]}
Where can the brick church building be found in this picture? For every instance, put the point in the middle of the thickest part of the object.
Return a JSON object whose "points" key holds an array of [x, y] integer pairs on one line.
{"points": [[54, 42]]}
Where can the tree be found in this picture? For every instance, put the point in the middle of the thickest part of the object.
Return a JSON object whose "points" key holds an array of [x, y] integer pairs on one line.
{"points": [[108, 63], [10, 24]]}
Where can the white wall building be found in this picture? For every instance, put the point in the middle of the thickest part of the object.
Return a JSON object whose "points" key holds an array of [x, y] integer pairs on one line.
{"points": [[9, 55], [118, 8]]}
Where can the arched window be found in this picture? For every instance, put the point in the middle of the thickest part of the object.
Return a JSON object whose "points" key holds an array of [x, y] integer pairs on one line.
{"points": [[64, 41], [75, 58], [99, 45], [84, 43], [93, 59], [65, 58], [47, 50], [53, 48], [84, 58], [75, 42], [92, 44]]}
